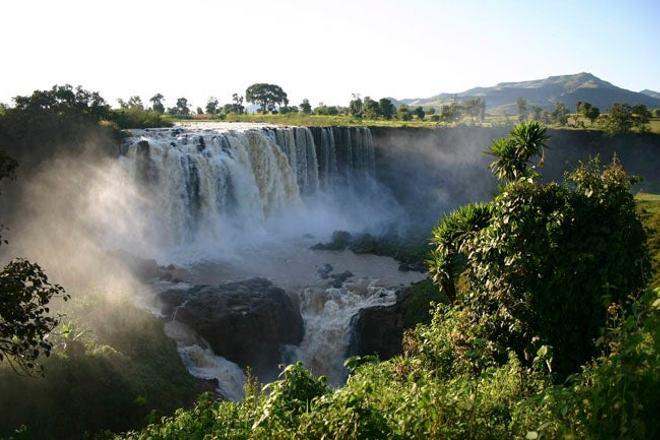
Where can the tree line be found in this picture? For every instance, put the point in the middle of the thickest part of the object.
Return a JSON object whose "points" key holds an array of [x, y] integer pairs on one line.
{"points": [[619, 118]]}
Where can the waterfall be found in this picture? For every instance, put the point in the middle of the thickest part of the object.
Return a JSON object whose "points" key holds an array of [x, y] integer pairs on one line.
{"points": [[196, 178]]}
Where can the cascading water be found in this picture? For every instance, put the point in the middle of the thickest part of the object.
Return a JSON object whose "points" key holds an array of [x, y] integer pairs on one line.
{"points": [[212, 184], [198, 179]]}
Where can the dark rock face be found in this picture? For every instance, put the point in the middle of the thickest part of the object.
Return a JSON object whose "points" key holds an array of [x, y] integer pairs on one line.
{"points": [[247, 322], [339, 278], [377, 331]]}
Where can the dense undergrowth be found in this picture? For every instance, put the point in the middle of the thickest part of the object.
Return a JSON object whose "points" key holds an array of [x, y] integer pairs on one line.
{"points": [[112, 366], [550, 332], [648, 208]]}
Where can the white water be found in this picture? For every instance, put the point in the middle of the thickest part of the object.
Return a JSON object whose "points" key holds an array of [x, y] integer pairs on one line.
{"points": [[230, 202]]}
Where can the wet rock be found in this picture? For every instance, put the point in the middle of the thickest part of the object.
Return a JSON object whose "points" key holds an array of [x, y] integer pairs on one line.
{"points": [[247, 322], [324, 271], [340, 241], [377, 330], [339, 278]]}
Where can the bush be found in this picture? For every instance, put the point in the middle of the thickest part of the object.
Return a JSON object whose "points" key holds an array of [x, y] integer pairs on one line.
{"points": [[543, 261], [111, 366], [136, 118]]}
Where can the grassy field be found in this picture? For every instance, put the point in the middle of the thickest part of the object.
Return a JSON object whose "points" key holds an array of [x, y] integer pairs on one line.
{"points": [[300, 119], [648, 207], [654, 125]]}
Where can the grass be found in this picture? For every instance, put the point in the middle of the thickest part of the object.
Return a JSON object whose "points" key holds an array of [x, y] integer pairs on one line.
{"points": [[299, 119], [654, 125], [648, 208]]}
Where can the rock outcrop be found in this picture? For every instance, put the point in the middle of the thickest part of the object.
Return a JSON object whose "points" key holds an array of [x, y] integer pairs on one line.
{"points": [[248, 322], [377, 330]]}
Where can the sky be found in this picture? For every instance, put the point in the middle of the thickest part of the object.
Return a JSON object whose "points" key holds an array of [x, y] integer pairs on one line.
{"points": [[321, 50]]}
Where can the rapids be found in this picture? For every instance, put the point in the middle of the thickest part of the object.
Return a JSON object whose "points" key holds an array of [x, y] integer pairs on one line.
{"points": [[229, 202]]}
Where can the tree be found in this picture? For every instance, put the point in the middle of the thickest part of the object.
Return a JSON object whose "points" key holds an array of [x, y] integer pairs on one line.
{"points": [[514, 152], [592, 113], [356, 107], [25, 294], [536, 113], [451, 112], [212, 106], [237, 103], [622, 118], [420, 113], [641, 115], [323, 109], [404, 113], [266, 96], [538, 272], [656, 113], [305, 107], [371, 108], [182, 108], [560, 114], [157, 103], [523, 113], [133, 103], [64, 101], [619, 119], [386, 108], [475, 108]]}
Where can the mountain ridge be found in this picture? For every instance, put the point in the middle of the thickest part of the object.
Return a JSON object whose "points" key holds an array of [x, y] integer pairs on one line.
{"points": [[567, 89]]}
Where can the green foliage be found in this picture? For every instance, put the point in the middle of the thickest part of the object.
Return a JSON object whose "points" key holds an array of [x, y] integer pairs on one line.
{"points": [[549, 277], [25, 319], [356, 107], [560, 114], [416, 305], [305, 107], [546, 260], [25, 295], [588, 111], [407, 398], [648, 209], [513, 153], [385, 108], [212, 106], [622, 118], [135, 118], [266, 96], [371, 108], [615, 395], [111, 366], [157, 103], [290, 397]]}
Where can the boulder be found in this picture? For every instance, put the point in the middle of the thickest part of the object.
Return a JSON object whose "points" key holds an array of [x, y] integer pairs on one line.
{"points": [[247, 322], [339, 278], [377, 330]]}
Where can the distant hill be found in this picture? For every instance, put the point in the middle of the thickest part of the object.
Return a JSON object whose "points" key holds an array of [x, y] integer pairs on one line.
{"points": [[651, 93], [568, 89]]}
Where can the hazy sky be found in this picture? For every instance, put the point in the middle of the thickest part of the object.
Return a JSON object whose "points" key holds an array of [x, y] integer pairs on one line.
{"points": [[322, 50]]}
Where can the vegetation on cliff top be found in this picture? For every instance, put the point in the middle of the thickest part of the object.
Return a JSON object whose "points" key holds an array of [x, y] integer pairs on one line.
{"points": [[551, 336]]}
